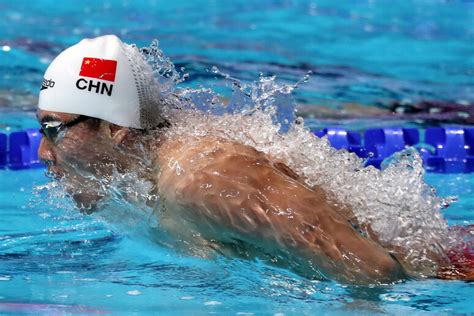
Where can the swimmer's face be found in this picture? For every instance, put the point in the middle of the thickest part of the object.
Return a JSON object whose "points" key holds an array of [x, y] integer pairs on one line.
{"points": [[80, 151]]}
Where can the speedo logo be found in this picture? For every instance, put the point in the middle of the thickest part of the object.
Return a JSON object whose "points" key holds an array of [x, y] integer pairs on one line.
{"points": [[47, 83]]}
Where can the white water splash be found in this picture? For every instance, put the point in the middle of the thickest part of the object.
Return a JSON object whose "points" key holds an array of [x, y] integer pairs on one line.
{"points": [[398, 205], [163, 68]]}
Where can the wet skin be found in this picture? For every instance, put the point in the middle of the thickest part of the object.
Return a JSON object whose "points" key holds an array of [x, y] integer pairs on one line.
{"points": [[57, 156], [227, 193], [86, 149]]}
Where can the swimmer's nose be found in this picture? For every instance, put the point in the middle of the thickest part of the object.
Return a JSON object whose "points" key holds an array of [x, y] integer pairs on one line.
{"points": [[45, 152]]}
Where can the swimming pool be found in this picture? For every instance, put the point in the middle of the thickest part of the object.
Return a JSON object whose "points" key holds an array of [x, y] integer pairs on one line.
{"points": [[56, 260]]}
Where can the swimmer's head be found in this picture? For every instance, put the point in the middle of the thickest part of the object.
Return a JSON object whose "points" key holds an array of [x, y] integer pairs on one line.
{"points": [[102, 78], [97, 100]]}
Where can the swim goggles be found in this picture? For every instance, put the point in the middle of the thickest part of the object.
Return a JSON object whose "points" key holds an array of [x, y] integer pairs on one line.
{"points": [[55, 130]]}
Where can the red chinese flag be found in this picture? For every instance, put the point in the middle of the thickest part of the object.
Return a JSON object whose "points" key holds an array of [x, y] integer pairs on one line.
{"points": [[103, 69]]}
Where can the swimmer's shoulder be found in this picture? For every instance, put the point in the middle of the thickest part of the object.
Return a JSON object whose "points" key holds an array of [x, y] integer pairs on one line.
{"points": [[198, 150], [186, 162], [191, 155]]}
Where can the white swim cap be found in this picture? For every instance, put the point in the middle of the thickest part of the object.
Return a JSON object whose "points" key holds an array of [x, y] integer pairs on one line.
{"points": [[102, 78]]}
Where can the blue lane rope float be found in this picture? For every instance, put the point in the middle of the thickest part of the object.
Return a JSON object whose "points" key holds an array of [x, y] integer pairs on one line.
{"points": [[3, 150], [19, 150], [444, 150], [452, 148]]}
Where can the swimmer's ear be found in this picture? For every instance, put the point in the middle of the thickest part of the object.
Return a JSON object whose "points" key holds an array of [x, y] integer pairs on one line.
{"points": [[118, 133]]}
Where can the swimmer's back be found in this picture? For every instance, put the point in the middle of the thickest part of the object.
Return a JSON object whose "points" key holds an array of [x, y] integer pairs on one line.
{"points": [[231, 192]]}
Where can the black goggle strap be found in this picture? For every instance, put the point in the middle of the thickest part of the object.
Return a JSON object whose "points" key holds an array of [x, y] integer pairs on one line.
{"points": [[78, 120]]}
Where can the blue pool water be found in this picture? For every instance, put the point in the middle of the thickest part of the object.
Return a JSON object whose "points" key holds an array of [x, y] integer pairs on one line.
{"points": [[55, 260], [69, 262], [360, 51]]}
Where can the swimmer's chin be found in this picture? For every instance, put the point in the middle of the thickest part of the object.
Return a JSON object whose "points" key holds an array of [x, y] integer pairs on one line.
{"points": [[87, 203]]}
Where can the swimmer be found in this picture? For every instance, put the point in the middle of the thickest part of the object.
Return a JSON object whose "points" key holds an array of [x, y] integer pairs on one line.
{"points": [[96, 110]]}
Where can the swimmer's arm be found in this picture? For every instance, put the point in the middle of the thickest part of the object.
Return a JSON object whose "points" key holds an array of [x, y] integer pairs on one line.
{"points": [[242, 196]]}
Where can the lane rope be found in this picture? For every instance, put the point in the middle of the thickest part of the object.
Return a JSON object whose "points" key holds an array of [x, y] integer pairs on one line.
{"points": [[443, 149]]}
